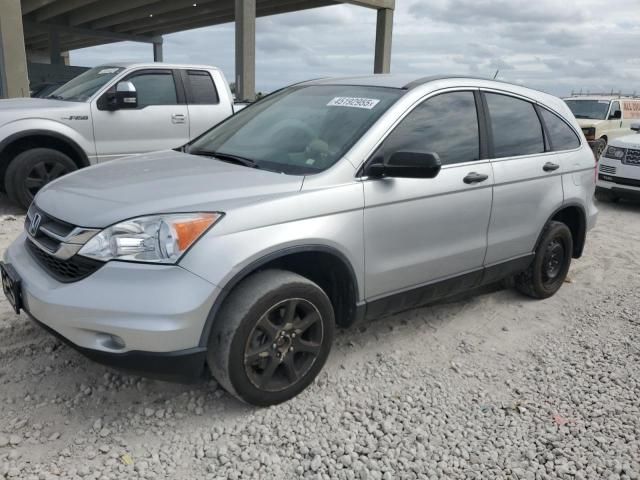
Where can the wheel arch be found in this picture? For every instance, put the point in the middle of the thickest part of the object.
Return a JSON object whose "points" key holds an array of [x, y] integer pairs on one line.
{"points": [[39, 138], [326, 266], [573, 215]]}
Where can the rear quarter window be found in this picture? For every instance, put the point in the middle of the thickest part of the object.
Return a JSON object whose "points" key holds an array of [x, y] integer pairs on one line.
{"points": [[561, 135], [201, 88]]}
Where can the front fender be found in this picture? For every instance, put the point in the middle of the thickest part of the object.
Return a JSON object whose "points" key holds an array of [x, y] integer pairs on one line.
{"points": [[83, 140]]}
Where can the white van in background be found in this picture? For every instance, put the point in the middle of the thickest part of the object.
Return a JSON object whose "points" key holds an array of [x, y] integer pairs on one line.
{"points": [[604, 117]]}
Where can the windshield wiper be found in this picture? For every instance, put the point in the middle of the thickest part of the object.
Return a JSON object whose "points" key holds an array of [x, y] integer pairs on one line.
{"points": [[55, 97], [227, 157]]}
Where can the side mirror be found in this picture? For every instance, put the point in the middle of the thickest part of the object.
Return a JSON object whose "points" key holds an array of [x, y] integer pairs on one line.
{"points": [[617, 115], [635, 127], [407, 165], [123, 95]]}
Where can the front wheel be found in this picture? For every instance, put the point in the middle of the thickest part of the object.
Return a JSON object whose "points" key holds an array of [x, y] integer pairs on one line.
{"points": [[31, 170], [550, 265], [271, 337], [600, 147]]}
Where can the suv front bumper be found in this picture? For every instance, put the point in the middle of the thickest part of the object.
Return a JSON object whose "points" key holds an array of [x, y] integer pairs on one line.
{"points": [[139, 317]]}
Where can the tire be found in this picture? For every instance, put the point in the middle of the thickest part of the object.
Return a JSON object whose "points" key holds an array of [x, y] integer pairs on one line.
{"points": [[253, 319], [31, 170], [550, 265], [600, 147]]}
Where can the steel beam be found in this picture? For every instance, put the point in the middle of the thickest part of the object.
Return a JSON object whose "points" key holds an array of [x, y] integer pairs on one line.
{"points": [[377, 4], [60, 7], [88, 32], [54, 48], [384, 34], [104, 9], [29, 6]]}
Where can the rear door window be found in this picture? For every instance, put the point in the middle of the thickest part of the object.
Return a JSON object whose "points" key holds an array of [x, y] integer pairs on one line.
{"points": [[561, 135], [515, 126], [201, 88]]}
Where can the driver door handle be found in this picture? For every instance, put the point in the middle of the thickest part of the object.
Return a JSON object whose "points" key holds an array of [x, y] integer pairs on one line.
{"points": [[474, 177], [550, 167], [178, 118]]}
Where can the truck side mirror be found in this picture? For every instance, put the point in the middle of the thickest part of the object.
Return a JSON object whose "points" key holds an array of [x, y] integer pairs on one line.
{"points": [[123, 95], [617, 115], [635, 127]]}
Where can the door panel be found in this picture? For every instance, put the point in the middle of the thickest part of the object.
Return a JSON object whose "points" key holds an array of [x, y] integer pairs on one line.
{"points": [[524, 196], [417, 231], [205, 107], [528, 181], [158, 123]]}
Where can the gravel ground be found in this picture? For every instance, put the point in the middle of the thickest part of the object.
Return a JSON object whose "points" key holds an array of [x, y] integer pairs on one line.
{"points": [[491, 385]]}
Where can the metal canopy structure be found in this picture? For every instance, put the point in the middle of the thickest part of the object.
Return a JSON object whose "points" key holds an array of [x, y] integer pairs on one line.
{"points": [[49, 27]]}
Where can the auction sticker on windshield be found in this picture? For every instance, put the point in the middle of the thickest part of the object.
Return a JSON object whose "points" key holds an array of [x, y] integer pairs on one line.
{"points": [[354, 102]]}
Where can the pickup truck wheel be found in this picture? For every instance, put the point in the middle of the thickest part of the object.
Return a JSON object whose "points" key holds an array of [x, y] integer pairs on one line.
{"points": [[600, 147], [31, 170], [550, 265], [271, 337]]}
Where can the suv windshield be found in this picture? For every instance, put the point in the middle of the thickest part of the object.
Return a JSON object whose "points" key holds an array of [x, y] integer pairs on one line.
{"points": [[299, 130], [83, 86], [595, 109]]}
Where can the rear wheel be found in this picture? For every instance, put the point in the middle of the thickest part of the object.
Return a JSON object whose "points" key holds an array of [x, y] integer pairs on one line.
{"points": [[550, 265], [31, 170], [271, 337]]}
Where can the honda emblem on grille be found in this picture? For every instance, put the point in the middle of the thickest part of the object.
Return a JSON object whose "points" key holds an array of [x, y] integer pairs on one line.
{"points": [[35, 224]]}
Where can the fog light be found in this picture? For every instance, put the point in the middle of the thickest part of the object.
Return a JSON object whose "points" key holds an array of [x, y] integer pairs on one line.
{"points": [[112, 342]]}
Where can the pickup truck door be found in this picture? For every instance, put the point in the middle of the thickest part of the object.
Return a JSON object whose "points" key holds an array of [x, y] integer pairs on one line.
{"points": [[206, 98], [160, 122]]}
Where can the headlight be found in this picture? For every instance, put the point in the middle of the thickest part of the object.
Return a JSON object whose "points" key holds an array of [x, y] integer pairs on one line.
{"points": [[154, 239], [615, 152]]}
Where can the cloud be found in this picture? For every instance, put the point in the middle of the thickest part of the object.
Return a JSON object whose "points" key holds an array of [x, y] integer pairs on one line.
{"points": [[546, 44]]}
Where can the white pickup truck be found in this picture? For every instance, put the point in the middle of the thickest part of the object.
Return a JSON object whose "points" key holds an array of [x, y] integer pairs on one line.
{"points": [[108, 112]]}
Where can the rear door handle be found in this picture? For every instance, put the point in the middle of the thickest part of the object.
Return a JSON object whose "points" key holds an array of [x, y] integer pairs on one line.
{"points": [[474, 177], [178, 118], [550, 167]]}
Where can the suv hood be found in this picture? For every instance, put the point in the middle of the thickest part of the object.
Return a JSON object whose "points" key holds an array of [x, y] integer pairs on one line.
{"points": [[160, 182], [589, 122], [628, 141]]}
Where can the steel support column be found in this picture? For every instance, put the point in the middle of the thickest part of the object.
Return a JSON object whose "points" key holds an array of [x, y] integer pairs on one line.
{"points": [[14, 80], [384, 33], [245, 49], [157, 50], [54, 48]]}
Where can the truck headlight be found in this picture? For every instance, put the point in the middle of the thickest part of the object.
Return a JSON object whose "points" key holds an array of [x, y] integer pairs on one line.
{"points": [[615, 152], [153, 239]]}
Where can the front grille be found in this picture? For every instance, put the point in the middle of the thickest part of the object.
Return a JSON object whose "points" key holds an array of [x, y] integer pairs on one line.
{"points": [[66, 271], [608, 169], [54, 244], [632, 157]]}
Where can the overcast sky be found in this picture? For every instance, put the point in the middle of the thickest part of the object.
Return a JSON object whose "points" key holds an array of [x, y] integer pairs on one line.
{"points": [[553, 45]]}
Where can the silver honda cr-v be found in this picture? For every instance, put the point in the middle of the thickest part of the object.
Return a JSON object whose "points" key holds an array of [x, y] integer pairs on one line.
{"points": [[323, 204]]}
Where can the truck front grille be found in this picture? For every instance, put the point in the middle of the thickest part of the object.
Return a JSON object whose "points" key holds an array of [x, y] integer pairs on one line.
{"points": [[608, 169], [632, 157]]}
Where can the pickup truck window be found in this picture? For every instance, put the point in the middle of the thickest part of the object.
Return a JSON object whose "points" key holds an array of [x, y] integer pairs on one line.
{"points": [[201, 88], [155, 88], [81, 88], [299, 130]]}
